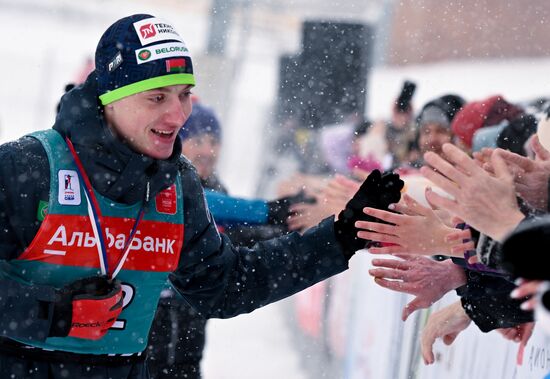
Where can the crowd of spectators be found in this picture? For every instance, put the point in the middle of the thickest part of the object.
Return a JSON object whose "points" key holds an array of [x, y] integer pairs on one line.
{"points": [[473, 216]]}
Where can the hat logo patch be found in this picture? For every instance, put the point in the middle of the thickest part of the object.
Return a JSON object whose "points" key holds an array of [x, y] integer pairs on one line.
{"points": [[155, 30], [147, 31], [161, 51], [144, 54], [115, 62]]}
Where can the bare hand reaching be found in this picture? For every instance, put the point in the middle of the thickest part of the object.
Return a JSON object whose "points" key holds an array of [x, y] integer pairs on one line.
{"points": [[330, 201], [486, 202], [426, 279], [418, 230], [531, 176], [520, 333], [446, 324]]}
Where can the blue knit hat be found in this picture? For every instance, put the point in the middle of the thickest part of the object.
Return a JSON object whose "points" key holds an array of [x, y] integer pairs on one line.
{"points": [[138, 53], [201, 121]]}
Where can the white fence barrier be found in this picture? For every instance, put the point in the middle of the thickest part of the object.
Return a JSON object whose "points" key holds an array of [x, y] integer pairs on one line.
{"points": [[360, 324]]}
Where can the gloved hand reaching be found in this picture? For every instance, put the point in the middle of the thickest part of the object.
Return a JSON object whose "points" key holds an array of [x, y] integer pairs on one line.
{"points": [[278, 210], [377, 191], [87, 308]]}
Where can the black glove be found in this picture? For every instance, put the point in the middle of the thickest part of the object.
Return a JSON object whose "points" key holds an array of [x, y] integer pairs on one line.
{"points": [[86, 308], [377, 191], [278, 210]]}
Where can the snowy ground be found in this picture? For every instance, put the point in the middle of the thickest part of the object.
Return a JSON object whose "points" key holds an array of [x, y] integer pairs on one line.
{"points": [[257, 345]]}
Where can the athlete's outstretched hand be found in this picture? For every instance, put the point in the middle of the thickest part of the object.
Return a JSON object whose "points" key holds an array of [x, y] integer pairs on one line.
{"points": [[377, 191]]}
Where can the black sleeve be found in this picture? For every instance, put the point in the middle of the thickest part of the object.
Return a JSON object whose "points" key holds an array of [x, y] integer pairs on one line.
{"points": [[27, 310], [221, 280], [249, 235], [24, 181], [486, 300]]}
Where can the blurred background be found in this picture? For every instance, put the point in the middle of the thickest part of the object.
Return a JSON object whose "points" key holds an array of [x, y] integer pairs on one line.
{"points": [[279, 73]]}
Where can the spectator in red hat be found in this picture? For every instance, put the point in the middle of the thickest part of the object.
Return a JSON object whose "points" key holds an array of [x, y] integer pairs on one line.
{"points": [[478, 114]]}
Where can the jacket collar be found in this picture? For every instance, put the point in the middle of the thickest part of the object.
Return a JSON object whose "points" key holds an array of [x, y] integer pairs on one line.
{"points": [[115, 170]]}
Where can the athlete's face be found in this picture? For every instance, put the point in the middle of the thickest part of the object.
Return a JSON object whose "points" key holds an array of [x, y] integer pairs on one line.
{"points": [[149, 121], [203, 151]]}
